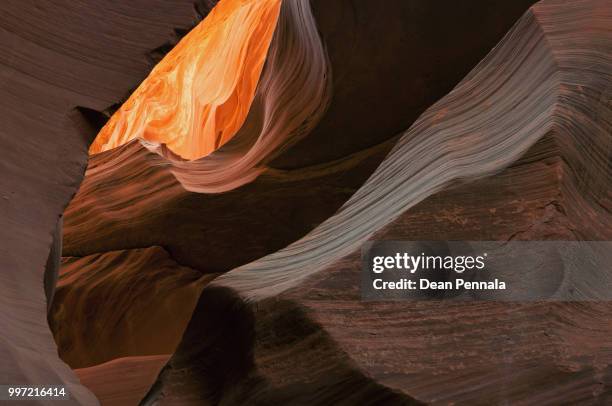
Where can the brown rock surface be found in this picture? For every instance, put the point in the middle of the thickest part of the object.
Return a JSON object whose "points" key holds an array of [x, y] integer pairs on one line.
{"points": [[55, 57]]}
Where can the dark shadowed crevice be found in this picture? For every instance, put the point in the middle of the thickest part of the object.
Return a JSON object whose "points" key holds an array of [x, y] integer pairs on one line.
{"points": [[92, 120], [53, 264]]}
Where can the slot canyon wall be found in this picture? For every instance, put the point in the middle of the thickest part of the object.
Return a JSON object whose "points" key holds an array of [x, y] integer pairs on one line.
{"points": [[60, 63], [228, 273]]}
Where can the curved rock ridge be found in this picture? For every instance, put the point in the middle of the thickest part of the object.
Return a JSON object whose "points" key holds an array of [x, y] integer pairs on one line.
{"points": [[539, 80], [292, 95], [199, 94], [520, 149]]}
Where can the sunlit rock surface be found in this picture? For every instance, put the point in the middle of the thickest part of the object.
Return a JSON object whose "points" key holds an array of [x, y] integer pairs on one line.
{"points": [[199, 95]]}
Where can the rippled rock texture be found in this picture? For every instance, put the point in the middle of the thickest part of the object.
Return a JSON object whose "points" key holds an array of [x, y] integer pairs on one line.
{"points": [[212, 252], [520, 149]]}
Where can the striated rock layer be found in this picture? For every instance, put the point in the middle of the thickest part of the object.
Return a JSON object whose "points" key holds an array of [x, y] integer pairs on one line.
{"points": [[391, 63], [520, 149], [131, 197]]}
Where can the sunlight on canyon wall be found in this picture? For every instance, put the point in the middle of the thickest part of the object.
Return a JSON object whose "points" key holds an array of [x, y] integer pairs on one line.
{"points": [[199, 95]]}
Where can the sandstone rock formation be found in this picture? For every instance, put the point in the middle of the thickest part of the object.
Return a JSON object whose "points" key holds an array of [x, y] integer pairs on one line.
{"points": [[220, 264], [529, 107], [133, 195], [199, 95]]}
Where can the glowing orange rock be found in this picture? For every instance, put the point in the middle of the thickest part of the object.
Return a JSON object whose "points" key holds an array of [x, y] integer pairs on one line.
{"points": [[199, 95]]}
